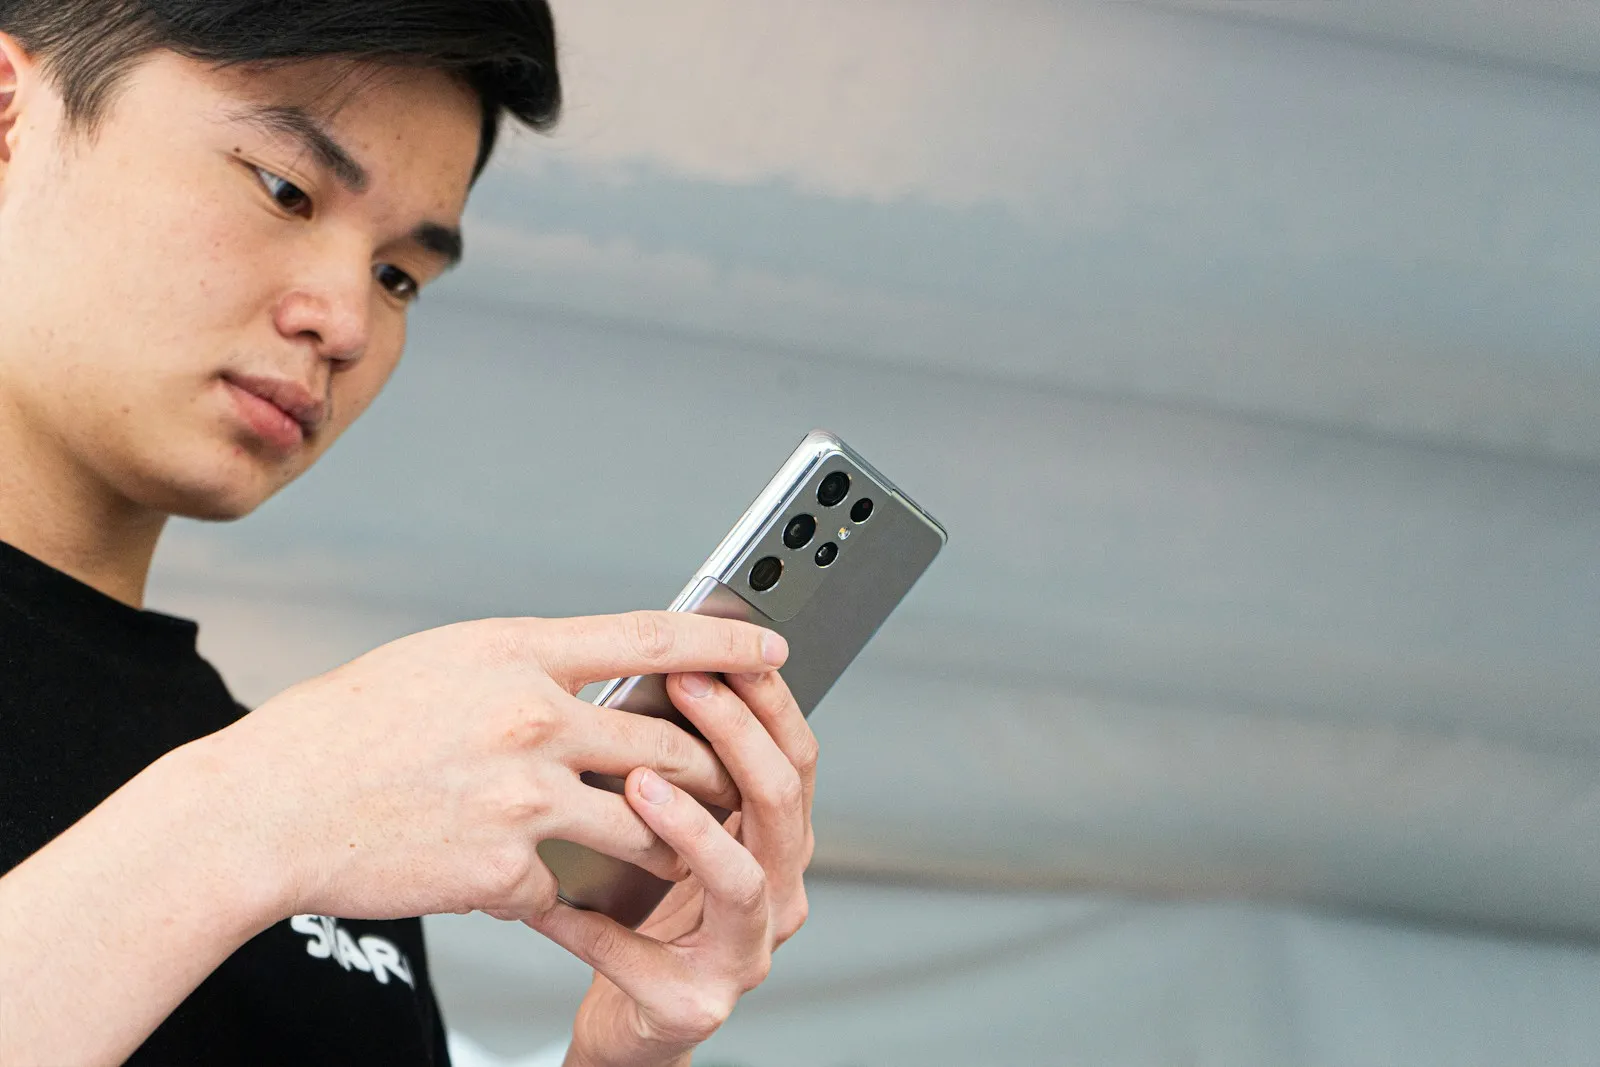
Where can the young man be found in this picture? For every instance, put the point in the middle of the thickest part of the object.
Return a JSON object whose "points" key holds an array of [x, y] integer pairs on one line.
{"points": [[213, 216]]}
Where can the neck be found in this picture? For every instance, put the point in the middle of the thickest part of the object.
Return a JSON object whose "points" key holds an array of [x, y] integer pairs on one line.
{"points": [[57, 511]]}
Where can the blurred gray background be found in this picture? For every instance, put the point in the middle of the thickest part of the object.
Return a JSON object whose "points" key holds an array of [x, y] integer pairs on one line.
{"points": [[1249, 352]]}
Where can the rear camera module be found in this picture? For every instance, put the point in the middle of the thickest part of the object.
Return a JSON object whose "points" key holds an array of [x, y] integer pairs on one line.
{"points": [[827, 554], [862, 511], [765, 574], [800, 531], [834, 488]]}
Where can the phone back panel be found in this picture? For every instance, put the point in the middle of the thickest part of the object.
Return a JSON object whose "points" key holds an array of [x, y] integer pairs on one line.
{"points": [[827, 614]]}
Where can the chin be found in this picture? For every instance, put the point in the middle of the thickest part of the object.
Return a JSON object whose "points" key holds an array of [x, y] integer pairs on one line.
{"points": [[216, 510], [215, 495], [207, 506]]}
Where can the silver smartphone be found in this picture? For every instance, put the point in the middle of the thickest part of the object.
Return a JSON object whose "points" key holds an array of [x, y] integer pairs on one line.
{"points": [[822, 557]]}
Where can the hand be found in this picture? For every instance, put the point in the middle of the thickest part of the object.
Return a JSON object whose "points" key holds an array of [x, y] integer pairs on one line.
{"points": [[662, 991], [421, 777]]}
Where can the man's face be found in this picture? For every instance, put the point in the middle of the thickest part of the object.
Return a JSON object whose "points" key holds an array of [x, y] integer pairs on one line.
{"points": [[194, 305]]}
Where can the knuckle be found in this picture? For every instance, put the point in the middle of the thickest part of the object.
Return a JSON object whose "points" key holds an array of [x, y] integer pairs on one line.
{"points": [[536, 894], [661, 861], [515, 801], [794, 916], [544, 894], [759, 970], [672, 749], [506, 872], [748, 890], [651, 636], [600, 943], [737, 642], [701, 1013], [807, 753], [782, 792], [536, 724], [696, 829], [792, 794], [632, 834], [760, 683]]}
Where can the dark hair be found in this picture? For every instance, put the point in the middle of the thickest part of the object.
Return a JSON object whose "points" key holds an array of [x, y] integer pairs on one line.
{"points": [[505, 50]]}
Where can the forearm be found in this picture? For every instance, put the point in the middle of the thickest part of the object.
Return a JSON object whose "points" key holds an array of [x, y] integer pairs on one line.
{"points": [[104, 931]]}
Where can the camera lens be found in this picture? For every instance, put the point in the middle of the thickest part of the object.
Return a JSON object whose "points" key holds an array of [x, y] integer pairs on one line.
{"points": [[765, 574], [827, 554], [862, 511], [834, 488], [800, 531]]}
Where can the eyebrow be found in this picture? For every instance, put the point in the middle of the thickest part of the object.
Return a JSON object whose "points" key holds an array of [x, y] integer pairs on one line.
{"points": [[442, 241], [298, 123]]}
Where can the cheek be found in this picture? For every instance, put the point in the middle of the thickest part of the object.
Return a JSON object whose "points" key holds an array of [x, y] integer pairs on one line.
{"points": [[128, 292], [123, 318], [213, 270]]}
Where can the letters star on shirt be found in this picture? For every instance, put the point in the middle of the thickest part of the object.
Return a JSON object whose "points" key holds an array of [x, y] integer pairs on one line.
{"points": [[371, 954]]}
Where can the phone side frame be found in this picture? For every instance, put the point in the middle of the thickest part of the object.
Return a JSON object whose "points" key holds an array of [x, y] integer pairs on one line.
{"points": [[813, 450]]}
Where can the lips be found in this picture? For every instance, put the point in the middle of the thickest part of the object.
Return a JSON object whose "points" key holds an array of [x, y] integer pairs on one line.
{"points": [[282, 413]]}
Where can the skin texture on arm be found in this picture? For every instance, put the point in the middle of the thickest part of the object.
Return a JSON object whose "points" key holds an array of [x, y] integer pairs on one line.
{"points": [[104, 931]]}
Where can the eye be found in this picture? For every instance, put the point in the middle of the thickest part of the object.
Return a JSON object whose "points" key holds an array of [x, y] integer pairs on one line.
{"points": [[285, 194], [397, 282]]}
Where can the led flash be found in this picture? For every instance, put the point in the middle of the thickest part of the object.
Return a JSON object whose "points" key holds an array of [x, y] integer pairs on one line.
{"points": [[844, 533]]}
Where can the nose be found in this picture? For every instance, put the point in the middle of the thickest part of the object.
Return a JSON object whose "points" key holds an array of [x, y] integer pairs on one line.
{"points": [[332, 313]]}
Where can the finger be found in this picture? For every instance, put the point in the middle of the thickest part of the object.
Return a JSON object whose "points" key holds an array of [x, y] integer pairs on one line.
{"points": [[611, 742], [640, 966], [790, 906], [579, 651], [772, 796], [678, 914], [736, 917], [768, 697], [606, 823]]}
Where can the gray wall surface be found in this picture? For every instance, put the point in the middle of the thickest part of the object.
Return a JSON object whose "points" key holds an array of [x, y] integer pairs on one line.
{"points": [[1249, 351]]}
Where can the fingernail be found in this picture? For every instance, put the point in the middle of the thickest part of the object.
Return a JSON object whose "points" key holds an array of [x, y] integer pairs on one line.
{"points": [[654, 788], [697, 685], [774, 649]]}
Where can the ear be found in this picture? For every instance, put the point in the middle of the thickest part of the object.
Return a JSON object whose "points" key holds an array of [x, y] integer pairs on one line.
{"points": [[16, 67]]}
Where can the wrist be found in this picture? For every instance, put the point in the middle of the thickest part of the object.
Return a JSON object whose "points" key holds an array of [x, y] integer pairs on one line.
{"points": [[225, 823]]}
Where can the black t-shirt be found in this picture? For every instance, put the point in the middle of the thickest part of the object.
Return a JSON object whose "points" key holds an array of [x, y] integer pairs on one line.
{"points": [[92, 692]]}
